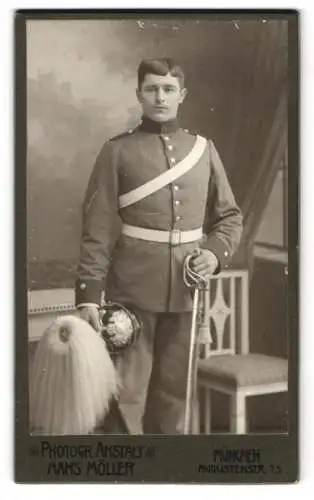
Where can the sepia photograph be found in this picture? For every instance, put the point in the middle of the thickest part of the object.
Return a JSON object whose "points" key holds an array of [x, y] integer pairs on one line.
{"points": [[157, 225]]}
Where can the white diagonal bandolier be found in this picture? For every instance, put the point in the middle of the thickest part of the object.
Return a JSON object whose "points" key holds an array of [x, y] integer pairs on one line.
{"points": [[167, 177]]}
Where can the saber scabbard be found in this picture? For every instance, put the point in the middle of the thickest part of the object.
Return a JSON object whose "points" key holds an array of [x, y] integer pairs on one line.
{"points": [[190, 390]]}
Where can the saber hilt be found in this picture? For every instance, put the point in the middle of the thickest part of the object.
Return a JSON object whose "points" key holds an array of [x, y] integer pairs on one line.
{"points": [[195, 281]]}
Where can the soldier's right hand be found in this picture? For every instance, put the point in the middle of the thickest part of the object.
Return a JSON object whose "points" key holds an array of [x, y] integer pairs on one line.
{"points": [[91, 315]]}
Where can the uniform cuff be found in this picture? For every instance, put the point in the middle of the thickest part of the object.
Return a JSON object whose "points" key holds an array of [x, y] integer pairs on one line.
{"points": [[221, 251], [87, 291]]}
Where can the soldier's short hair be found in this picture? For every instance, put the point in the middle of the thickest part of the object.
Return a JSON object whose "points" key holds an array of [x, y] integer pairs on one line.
{"points": [[160, 66]]}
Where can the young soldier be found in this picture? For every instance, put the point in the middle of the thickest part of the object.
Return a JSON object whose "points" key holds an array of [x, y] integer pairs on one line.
{"points": [[159, 228]]}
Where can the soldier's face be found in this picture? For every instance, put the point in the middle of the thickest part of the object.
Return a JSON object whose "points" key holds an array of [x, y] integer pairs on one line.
{"points": [[160, 97]]}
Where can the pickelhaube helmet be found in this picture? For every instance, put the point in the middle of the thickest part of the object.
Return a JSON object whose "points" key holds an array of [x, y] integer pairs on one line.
{"points": [[120, 326]]}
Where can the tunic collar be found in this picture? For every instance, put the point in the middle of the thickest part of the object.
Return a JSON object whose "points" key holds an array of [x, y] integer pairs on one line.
{"points": [[148, 125]]}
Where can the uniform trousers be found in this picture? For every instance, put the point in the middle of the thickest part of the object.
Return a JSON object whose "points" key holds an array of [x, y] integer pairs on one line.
{"points": [[153, 374]]}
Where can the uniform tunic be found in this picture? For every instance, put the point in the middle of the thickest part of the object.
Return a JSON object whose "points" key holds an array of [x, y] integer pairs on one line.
{"points": [[143, 273], [146, 275]]}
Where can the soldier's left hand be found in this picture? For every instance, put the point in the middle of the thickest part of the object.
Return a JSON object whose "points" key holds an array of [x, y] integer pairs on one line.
{"points": [[205, 263]]}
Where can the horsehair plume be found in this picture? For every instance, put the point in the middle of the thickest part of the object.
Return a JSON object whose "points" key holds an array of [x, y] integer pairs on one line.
{"points": [[72, 379]]}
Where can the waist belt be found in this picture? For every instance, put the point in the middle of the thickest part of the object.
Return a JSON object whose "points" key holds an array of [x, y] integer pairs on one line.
{"points": [[174, 237]]}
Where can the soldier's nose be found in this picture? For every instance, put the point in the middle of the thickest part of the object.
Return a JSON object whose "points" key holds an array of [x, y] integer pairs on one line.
{"points": [[160, 96]]}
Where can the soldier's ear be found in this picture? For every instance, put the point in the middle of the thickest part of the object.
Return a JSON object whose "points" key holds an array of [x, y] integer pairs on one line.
{"points": [[183, 94], [138, 95]]}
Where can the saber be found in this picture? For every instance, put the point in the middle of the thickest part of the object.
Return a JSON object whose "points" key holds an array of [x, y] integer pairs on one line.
{"points": [[200, 334]]}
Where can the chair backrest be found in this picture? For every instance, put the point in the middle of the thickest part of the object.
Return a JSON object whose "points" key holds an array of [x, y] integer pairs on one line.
{"points": [[229, 313]]}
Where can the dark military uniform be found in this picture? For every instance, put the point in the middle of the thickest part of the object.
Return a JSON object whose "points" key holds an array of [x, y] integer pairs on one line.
{"points": [[148, 275]]}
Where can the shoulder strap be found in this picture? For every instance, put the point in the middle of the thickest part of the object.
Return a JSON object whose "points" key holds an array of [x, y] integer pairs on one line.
{"points": [[167, 177]]}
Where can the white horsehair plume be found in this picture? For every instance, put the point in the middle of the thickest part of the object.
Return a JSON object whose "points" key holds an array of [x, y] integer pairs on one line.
{"points": [[72, 379]]}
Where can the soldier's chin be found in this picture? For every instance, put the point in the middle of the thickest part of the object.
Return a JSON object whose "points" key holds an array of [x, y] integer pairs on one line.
{"points": [[159, 116]]}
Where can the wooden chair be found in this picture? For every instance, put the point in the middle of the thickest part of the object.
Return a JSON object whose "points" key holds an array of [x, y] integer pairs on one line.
{"points": [[228, 366]]}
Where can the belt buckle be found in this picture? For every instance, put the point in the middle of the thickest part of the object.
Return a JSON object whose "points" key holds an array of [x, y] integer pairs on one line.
{"points": [[175, 237]]}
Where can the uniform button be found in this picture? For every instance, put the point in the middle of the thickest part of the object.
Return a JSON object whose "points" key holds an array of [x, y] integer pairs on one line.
{"points": [[83, 286], [170, 147], [177, 202], [178, 217], [166, 138], [226, 254], [173, 160], [175, 187]]}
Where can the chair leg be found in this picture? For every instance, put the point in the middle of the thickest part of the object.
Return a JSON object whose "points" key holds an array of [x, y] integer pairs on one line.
{"points": [[238, 414], [207, 411], [196, 415]]}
